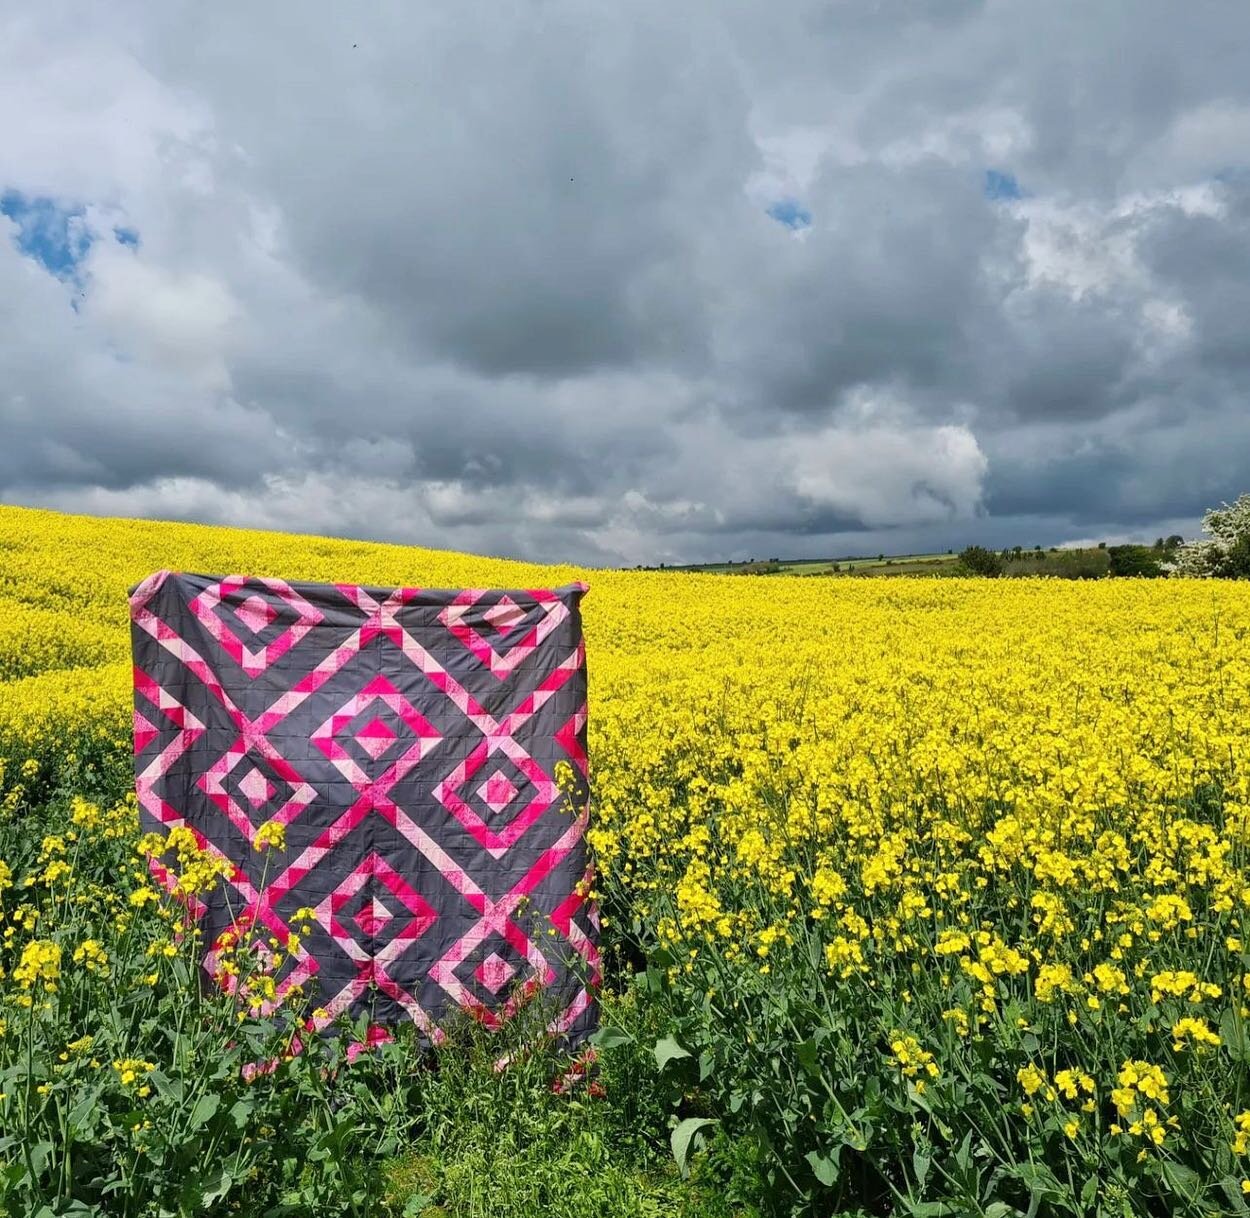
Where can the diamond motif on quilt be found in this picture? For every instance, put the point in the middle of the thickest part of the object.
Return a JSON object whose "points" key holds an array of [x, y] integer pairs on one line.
{"points": [[375, 738], [373, 917], [335, 912], [497, 792], [497, 824], [255, 613], [249, 614], [494, 972], [504, 614], [330, 735], [270, 785], [258, 789], [460, 977]]}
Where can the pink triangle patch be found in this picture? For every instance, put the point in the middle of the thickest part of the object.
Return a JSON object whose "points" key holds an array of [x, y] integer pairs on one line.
{"points": [[145, 733], [375, 738]]}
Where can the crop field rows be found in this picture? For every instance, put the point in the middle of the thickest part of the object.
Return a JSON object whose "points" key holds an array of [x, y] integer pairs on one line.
{"points": [[919, 896]]}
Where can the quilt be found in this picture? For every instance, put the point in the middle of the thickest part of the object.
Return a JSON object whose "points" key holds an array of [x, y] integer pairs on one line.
{"points": [[392, 782]]}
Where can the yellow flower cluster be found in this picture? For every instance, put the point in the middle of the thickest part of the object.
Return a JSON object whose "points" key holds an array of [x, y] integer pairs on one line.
{"points": [[91, 955], [1192, 1031], [1182, 984], [1033, 1081], [911, 1059], [40, 965], [131, 1073], [197, 870], [1141, 1085], [1240, 1144], [271, 834]]}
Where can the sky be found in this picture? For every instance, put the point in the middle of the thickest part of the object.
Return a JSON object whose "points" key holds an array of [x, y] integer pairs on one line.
{"points": [[628, 283]]}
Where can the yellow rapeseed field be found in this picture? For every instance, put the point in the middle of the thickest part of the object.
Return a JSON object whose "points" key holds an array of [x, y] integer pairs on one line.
{"points": [[940, 884]]}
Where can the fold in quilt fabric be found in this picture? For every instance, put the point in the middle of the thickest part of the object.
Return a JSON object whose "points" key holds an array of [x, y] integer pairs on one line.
{"points": [[424, 751]]}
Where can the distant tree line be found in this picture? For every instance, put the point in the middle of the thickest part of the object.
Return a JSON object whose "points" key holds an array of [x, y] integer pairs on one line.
{"points": [[1223, 554], [1148, 562]]}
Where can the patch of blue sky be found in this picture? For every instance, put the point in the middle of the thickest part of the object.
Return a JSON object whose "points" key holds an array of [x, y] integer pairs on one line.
{"points": [[126, 236], [999, 184], [53, 233], [791, 213]]}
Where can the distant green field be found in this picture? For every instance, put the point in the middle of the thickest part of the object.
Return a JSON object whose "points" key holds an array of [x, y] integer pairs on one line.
{"points": [[889, 564], [1088, 563]]}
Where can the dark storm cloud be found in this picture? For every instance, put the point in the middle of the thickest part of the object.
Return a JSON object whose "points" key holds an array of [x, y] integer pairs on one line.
{"points": [[1069, 359], [890, 288], [1206, 261], [641, 283], [516, 194]]}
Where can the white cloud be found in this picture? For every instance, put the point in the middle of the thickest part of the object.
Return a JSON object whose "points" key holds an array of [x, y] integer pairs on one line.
{"points": [[179, 322], [889, 476]]}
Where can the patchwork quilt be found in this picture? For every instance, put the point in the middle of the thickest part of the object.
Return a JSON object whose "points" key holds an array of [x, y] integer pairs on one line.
{"points": [[424, 752]]}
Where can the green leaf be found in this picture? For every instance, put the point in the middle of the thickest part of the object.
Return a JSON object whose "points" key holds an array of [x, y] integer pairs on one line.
{"points": [[204, 1111], [917, 1097], [1236, 1198], [84, 1114], [1183, 1181], [240, 1113], [682, 1137], [809, 1056], [667, 1050], [610, 1038], [920, 1165], [166, 1087], [825, 1169], [1039, 1179], [217, 1186], [1234, 1034], [963, 1156], [39, 1153], [417, 1204]]}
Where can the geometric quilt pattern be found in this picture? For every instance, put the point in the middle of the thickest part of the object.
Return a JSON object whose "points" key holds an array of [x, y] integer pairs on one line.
{"points": [[424, 751]]}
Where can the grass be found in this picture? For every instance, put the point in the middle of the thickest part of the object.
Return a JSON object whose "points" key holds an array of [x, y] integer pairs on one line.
{"points": [[503, 1145]]}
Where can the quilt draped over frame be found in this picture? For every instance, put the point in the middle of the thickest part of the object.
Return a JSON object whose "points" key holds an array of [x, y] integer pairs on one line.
{"points": [[424, 751]]}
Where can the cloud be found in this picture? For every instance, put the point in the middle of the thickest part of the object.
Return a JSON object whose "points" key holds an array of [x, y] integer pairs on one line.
{"points": [[629, 284]]}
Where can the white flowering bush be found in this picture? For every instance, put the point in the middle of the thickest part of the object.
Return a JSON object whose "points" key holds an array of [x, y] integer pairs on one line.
{"points": [[1225, 554]]}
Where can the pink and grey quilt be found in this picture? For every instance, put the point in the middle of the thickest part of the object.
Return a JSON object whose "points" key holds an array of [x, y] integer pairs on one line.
{"points": [[411, 742]]}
